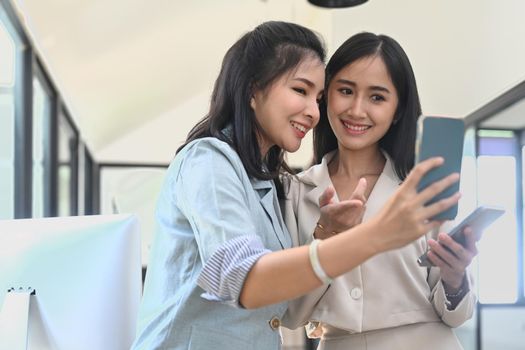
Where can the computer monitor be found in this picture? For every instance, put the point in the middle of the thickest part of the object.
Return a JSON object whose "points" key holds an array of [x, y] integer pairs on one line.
{"points": [[86, 275]]}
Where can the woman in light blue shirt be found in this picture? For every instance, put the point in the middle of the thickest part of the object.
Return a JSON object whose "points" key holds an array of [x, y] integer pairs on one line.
{"points": [[222, 266]]}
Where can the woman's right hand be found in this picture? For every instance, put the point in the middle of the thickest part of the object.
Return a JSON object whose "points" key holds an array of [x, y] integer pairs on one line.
{"points": [[405, 217]]}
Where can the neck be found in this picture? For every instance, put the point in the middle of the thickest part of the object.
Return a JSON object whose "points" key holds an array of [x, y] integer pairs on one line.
{"points": [[264, 145], [356, 164]]}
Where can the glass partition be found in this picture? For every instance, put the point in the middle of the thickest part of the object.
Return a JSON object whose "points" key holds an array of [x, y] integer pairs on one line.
{"points": [[497, 186], [133, 189], [67, 167], [41, 119], [7, 121]]}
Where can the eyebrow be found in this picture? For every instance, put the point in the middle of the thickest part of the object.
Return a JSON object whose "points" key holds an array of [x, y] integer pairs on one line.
{"points": [[373, 87], [309, 83], [306, 81]]}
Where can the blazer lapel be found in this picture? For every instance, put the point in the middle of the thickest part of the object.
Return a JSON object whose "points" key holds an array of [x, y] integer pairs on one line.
{"points": [[268, 200], [385, 187], [318, 178]]}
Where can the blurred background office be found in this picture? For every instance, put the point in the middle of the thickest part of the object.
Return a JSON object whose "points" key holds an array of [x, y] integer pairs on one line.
{"points": [[96, 96]]}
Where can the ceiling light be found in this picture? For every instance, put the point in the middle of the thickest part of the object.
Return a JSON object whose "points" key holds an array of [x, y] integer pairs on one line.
{"points": [[336, 3]]}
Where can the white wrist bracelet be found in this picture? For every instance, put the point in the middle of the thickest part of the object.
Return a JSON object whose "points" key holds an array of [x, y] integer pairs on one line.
{"points": [[316, 265]]}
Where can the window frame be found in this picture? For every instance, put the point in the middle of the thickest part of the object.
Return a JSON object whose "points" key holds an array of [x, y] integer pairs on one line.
{"points": [[22, 93], [64, 119], [475, 119], [49, 139]]}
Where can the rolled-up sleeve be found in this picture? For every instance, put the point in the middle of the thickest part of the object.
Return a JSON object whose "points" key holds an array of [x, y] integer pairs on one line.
{"points": [[212, 190], [463, 310], [223, 275]]}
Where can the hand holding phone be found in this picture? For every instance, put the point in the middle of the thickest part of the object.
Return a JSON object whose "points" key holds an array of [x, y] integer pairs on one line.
{"points": [[440, 137], [478, 220]]}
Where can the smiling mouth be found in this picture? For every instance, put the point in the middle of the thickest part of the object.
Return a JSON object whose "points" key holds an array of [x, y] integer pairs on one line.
{"points": [[356, 128], [299, 127]]}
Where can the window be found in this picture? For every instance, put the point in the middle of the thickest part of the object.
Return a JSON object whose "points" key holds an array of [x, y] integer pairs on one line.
{"points": [[88, 189], [67, 167], [91, 184], [133, 189], [522, 255], [7, 121], [499, 178], [41, 121], [497, 185]]}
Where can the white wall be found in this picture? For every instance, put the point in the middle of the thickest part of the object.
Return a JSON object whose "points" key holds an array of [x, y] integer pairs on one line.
{"points": [[157, 139], [464, 53]]}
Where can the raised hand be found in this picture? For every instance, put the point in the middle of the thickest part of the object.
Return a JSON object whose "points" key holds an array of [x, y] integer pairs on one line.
{"points": [[337, 217], [405, 217]]}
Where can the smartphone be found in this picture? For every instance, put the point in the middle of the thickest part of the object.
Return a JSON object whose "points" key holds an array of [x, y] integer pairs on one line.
{"points": [[478, 220], [440, 136]]}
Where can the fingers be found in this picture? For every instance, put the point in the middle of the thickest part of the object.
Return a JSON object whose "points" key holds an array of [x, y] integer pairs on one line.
{"points": [[437, 187], [421, 169], [342, 207], [437, 261], [447, 248], [359, 191], [451, 252], [451, 263], [341, 216], [348, 204], [327, 196], [470, 241], [440, 206]]}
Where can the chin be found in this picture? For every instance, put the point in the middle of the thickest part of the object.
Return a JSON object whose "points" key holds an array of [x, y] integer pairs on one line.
{"points": [[353, 146], [292, 148]]}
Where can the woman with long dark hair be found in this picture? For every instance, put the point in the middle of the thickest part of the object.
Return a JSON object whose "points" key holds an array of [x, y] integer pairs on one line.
{"points": [[220, 268], [365, 140]]}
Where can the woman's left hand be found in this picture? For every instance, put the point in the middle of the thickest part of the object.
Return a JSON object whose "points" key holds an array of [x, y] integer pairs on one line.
{"points": [[452, 266], [340, 216]]}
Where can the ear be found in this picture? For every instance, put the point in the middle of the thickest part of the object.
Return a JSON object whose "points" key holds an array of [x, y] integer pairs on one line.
{"points": [[252, 102]]}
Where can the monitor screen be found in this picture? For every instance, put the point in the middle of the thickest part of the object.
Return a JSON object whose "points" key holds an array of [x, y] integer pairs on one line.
{"points": [[86, 274]]}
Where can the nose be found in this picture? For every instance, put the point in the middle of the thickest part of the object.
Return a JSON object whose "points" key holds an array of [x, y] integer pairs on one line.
{"points": [[312, 111], [357, 108]]}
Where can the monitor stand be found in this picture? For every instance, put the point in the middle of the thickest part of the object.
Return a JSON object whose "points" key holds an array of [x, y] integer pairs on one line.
{"points": [[21, 326]]}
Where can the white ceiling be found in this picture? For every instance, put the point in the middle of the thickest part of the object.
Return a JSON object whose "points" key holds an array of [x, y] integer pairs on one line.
{"points": [[136, 75], [512, 117]]}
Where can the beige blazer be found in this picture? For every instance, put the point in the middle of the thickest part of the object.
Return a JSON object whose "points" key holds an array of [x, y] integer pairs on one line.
{"points": [[388, 290]]}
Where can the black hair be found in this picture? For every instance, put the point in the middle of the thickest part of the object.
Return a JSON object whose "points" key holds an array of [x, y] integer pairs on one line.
{"points": [[254, 62], [399, 141]]}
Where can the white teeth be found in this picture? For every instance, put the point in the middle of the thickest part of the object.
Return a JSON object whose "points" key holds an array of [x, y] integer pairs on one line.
{"points": [[355, 127], [298, 127]]}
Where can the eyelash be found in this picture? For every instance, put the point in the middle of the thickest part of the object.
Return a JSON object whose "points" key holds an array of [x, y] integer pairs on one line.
{"points": [[375, 98], [300, 90], [378, 98], [303, 92]]}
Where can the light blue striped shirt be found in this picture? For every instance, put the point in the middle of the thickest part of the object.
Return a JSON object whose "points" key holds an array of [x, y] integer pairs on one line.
{"points": [[222, 277]]}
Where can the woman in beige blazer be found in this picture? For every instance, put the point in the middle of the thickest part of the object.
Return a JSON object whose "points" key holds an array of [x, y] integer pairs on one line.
{"points": [[365, 141]]}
